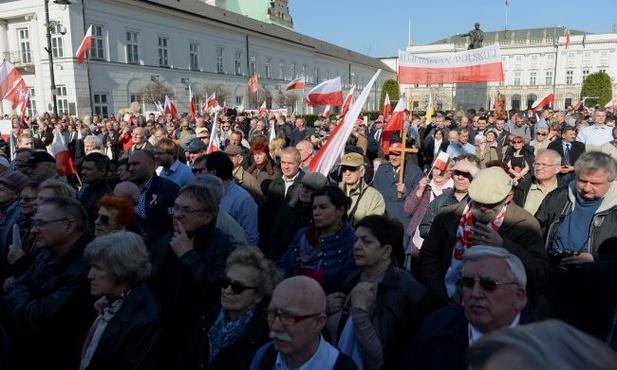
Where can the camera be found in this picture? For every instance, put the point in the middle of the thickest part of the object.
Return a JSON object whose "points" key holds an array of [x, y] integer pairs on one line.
{"points": [[556, 255]]}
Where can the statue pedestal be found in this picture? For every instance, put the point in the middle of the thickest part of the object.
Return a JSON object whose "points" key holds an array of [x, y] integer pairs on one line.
{"points": [[472, 95]]}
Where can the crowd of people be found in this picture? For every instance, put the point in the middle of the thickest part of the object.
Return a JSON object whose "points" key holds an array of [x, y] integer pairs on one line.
{"points": [[160, 252]]}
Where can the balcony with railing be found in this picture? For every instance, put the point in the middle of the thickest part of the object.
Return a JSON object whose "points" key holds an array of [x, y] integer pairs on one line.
{"points": [[19, 59]]}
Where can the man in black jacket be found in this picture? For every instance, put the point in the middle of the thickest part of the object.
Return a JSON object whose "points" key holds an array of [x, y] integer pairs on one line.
{"points": [[94, 176], [48, 311]]}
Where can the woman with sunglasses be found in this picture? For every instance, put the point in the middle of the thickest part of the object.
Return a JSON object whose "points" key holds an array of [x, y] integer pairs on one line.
{"points": [[519, 158], [231, 333], [541, 141], [383, 304], [114, 214]]}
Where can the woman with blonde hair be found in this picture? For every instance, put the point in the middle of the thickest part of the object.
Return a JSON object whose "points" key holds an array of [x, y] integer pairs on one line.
{"points": [[275, 147], [484, 152]]}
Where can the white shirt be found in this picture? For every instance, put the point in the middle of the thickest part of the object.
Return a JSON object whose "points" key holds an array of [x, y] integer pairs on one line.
{"points": [[595, 135]]}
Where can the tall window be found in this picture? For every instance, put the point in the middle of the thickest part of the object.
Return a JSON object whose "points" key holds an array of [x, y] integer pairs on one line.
{"points": [[194, 55], [268, 68], [517, 78], [97, 51], [585, 74], [132, 48], [101, 106], [61, 99], [163, 52], [548, 78], [282, 70], [238, 63], [219, 60], [533, 76], [253, 64], [31, 110], [23, 34], [57, 44], [569, 77]]}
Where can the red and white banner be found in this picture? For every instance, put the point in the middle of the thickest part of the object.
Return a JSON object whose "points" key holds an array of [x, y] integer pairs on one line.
{"points": [[192, 104], [64, 161], [394, 124], [326, 111], [8, 76], [296, 84], [347, 102], [328, 92], [16, 92], [331, 152], [215, 144], [476, 65], [170, 107], [86, 43], [611, 104], [386, 106], [262, 109], [542, 101], [441, 162], [211, 101]]}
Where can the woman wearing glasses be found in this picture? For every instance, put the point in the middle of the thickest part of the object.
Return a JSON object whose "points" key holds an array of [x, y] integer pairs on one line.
{"points": [[541, 141], [384, 305], [230, 334], [115, 213], [519, 158]]}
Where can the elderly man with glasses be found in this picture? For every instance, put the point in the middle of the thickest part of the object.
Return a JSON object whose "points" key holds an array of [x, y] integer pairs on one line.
{"points": [[493, 284]]}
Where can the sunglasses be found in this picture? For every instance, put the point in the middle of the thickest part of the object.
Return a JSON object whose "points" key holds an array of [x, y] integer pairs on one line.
{"points": [[104, 219], [541, 133], [351, 169], [516, 142], [236, 288], [487, 285]]}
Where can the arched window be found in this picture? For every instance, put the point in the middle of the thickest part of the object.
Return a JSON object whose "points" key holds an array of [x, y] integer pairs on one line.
{"points": [[530, 99], [516, 101]]}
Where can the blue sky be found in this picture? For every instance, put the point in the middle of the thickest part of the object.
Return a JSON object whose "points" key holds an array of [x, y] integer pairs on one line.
{"points": [[380, 28]]}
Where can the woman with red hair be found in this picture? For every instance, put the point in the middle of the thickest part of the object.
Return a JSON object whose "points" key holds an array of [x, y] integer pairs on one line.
{"points": [[115, 213], [263, 167]]}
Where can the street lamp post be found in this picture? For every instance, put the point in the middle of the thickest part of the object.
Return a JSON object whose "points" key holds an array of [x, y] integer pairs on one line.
{"points": [[52, 77]]}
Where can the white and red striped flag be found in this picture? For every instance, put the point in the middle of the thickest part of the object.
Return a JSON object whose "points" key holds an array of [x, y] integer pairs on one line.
{"points": [[170, 107], [296, 84], [86, 43], [394, 124], [328, 92], [8, 76], [542, 101], [475, 65], [64, 161], [24, 100], [15, 92], [387, 106], [159, 107], [215, 144], [347, 102], [441, 162], [211, 101], [331, 152], [192, 106], [262, 109], [611, 104], [326, 111]]}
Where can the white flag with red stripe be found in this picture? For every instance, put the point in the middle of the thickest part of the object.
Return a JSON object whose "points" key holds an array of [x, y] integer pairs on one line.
{"points": [[328, 92], [331, 152], [86, 43], [347, 102], [8, 76], [441, 162], [64, 161], [262, 109], [24, 100], [215, 144], [296, 84], [192, 106], [211, 101], [326, 111], [611, 104], [475, 65], [394, 124], [386, 107], [16, 92], [170, 107], [542, 101]]}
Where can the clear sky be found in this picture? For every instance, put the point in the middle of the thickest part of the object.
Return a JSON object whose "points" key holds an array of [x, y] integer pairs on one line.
{"points": [[381, 27]]}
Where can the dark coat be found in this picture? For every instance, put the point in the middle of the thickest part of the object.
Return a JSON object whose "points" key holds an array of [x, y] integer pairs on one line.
{"points": [[91, 195], [576, 150], [289, 221], [49, 311], [521, 236], [385, 182], [400, 307], [274, 191], [237, 356], [159, 199], [131, 337]]}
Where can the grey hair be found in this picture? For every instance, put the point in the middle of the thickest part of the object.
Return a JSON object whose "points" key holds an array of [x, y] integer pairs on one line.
{"points": [[516, 270], [269, 275], [213, 183], [92, 139], [123, 254], [292, 150], [479, 137], [591, 162], [556, 156], [545, 345]]}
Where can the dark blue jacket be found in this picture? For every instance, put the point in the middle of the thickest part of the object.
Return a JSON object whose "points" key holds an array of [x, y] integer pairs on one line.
{"points": [[159, 200], [385, 182]]}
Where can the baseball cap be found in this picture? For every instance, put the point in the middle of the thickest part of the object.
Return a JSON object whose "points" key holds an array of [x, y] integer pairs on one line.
{"points": [[490, 185], [352, 160]]}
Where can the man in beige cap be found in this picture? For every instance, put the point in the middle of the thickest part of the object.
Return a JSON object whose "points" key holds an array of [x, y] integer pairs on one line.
{"points": [[487, 218], [243, 178], [365, 200]]}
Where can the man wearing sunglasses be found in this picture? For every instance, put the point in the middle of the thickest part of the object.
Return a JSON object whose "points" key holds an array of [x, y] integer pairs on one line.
{"points": [[488, 218], [296, 316], [493, 295]]}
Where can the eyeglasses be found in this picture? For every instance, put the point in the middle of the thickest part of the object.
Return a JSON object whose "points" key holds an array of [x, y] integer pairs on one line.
{"points": [[236, 287], [42, 223], [516, 142], [541, 133], [177, 209], [204, 137], [24, 198], [286, 318], [347, 168], [487, 285], [541, 165], [104, 219]]}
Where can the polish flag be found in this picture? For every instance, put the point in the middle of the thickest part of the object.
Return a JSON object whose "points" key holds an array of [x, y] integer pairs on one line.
{"points": [[170, 107], [211, 101], [441, 162], [394, 124], [24, 100], [328, 92], [611, 104], [578, 105], [296, 84], [159, 107], [331, 152], [262, 109], [542, 101], [14, 93], [192, 106], [86, 43], [347, 102], [386, 107], [215, 144], [8, 76], [128, 118], [475, 65], [64, 161], [326, 112]]}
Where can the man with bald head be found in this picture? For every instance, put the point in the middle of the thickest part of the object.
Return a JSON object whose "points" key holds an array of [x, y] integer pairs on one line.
{"points": [[296, 316]]}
